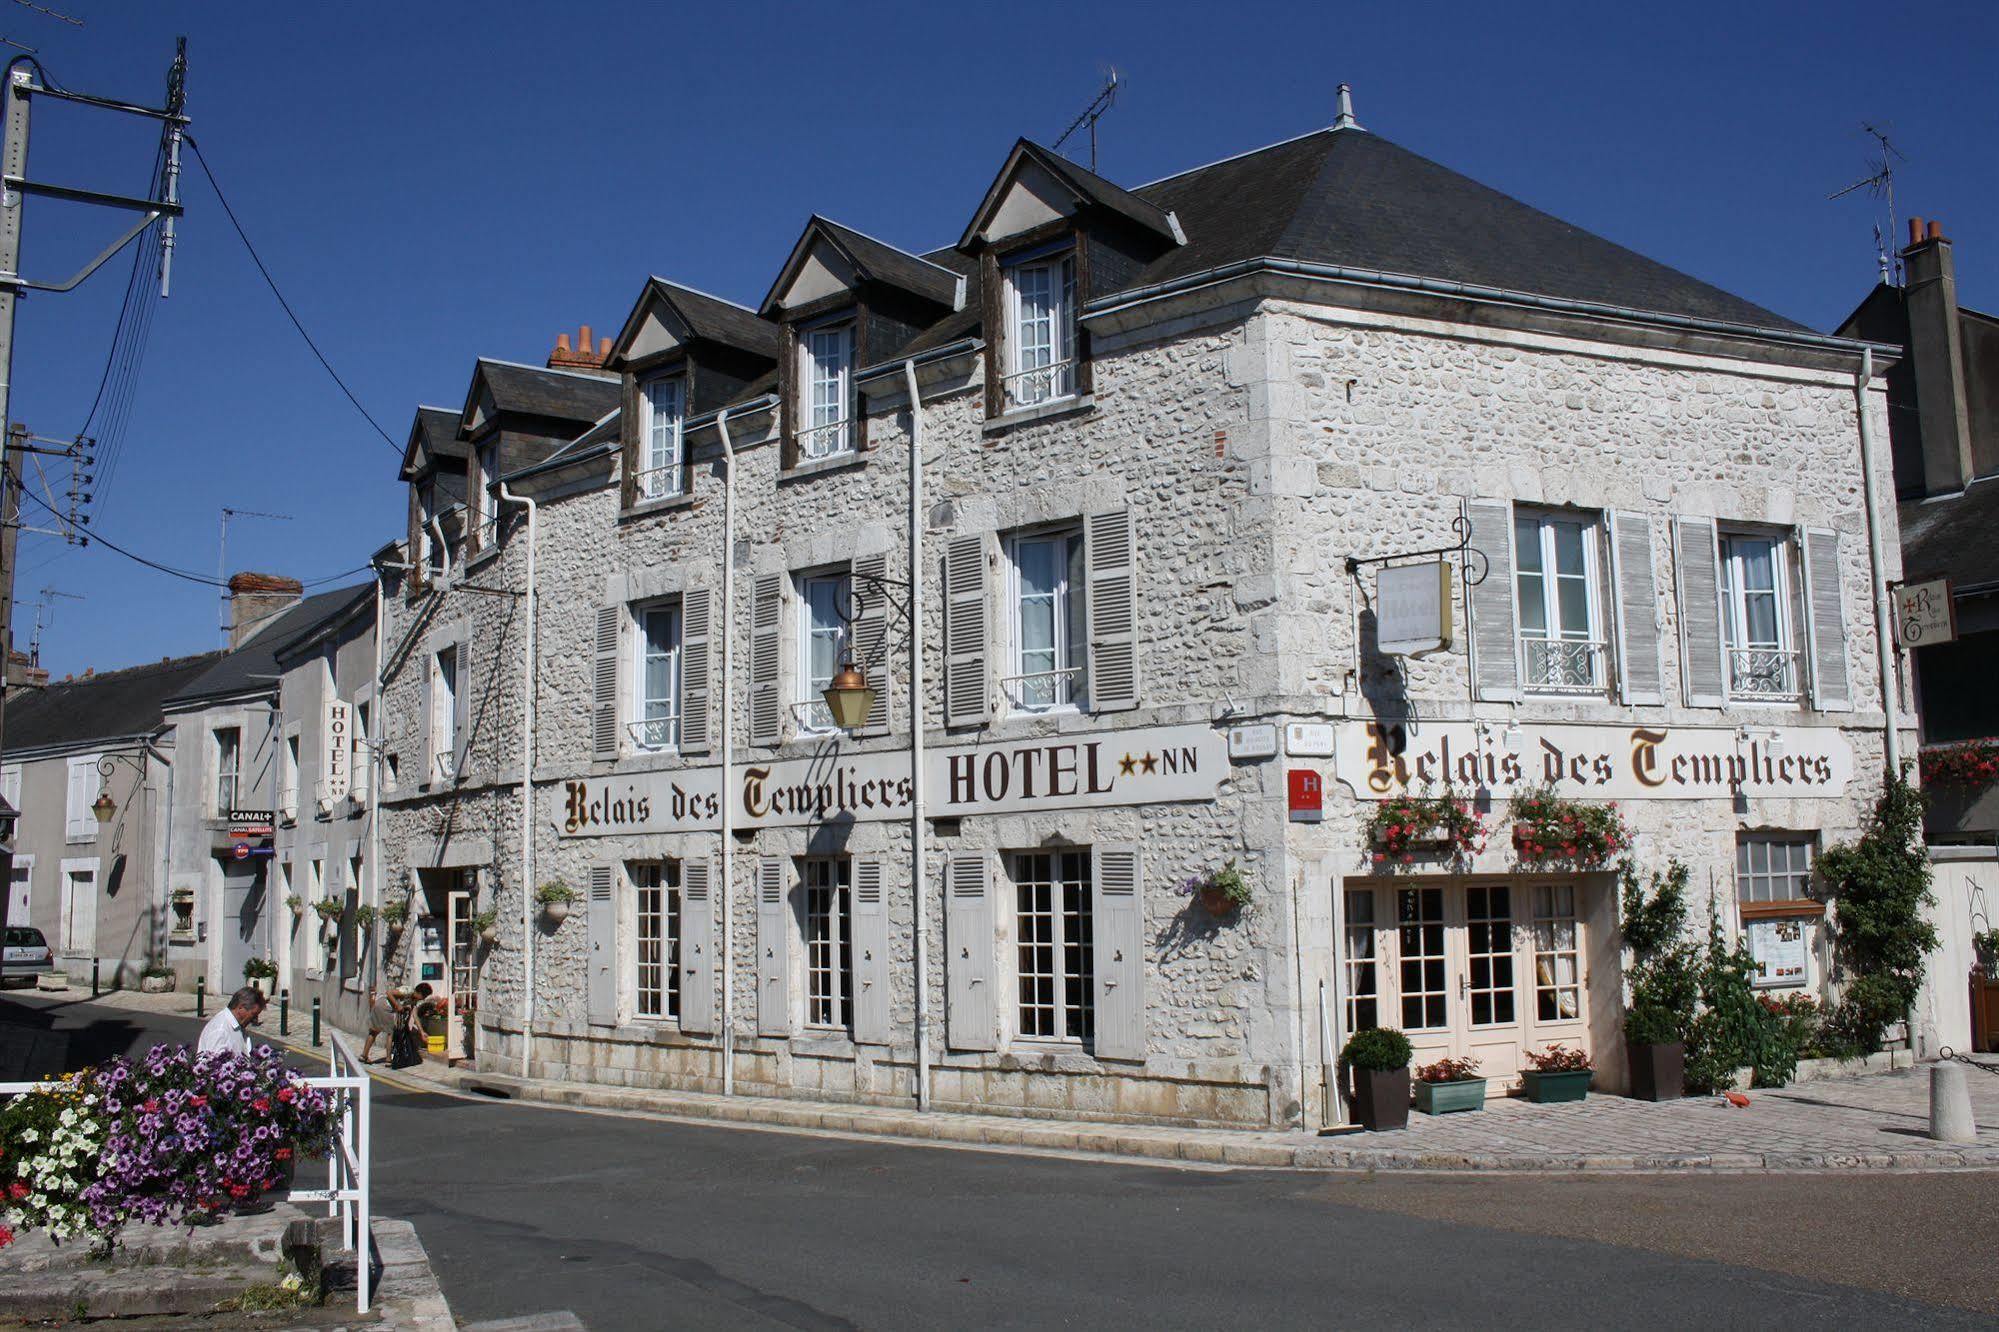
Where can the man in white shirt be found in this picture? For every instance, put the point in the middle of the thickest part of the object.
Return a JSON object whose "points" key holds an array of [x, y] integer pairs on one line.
{"points": [[229, 1030]]}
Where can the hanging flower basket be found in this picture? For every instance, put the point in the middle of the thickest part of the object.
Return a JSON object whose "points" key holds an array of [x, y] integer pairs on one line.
{"points": [[1221, 893], [329, 910], [1406, 826], [555, 898], [395, 915], [1548, 830]]}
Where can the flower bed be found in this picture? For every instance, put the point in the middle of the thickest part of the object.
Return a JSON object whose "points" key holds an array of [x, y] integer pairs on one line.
{"points": [[164, 1140], [1548, 830], [1404, 825], [1973, 764]]}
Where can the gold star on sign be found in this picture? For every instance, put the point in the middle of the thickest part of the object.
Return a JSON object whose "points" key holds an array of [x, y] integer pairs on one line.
{"points": [[1126, 766], [1149, 763]]}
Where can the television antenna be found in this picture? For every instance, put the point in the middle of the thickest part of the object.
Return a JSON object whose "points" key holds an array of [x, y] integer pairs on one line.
{"points": [[45, 614], [222, 555], [1881, 184], [1091, 115]]}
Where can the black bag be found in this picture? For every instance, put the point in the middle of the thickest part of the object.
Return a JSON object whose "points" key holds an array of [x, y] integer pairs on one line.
{"points": [[403, 1050]]}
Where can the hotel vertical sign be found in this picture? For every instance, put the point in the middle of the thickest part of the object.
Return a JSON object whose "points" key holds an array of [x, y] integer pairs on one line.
{"points": [[337, 748]]}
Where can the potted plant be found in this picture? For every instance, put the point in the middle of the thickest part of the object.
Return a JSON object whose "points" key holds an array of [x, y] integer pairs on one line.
{"points": [[157, 979], [1986, 944], [395, 915], [1657, 1052], [259, 969], [364, 917], [329, 910], [555, 897], [1223, 892], [1405, 826], [487, 925], [1376, 1063], [1450, 1085], [295, 903], [1556, 1074], [1548, 830]]}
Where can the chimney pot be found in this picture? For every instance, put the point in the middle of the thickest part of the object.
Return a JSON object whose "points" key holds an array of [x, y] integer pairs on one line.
{"points": [[562, 344], [583, 340], [1915, 231], [603, 350], [1935, 231]]}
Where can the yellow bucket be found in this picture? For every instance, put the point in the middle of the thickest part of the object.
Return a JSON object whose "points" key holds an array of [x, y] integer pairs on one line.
{"points": [[435, 1044]]}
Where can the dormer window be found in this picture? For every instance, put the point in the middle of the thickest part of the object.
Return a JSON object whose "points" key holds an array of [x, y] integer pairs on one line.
{"points": [[1041, 330], [827, 372], [486, 497], [665, 403]]}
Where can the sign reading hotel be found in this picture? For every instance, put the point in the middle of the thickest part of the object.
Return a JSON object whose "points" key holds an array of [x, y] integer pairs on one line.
{"points": [[1378, 760], [1157, 765], [338, 750]]}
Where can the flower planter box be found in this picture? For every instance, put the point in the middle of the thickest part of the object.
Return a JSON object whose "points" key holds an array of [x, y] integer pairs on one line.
{"points": [[1443, 1098], [1554, 1088], [156, 984], [1381, 1100], [1658, 1072]]}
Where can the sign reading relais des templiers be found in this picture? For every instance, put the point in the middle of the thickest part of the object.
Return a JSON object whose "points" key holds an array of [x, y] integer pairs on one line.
{"points": [[1149, 766], [1379, 760]]}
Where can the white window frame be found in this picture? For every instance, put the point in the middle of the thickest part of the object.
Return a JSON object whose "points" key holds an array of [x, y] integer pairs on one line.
{"points": [[290, 774], [1769, 672], [485, 499], [1041, 363], [1748, 876], [1593, 647], [360, 761], [444, 687], [79, 819], [218, 770], [826, 391], [1361, 956], [826, 887], [813, 716], [10, 785], [315, 934], [66, 906], [662, 444], [662, 877], [644, 729], [1073, 1024], [1066, 687]]}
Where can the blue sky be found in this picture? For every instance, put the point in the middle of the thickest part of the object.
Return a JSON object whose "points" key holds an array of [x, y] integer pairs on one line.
{"points": [[432, 182]]}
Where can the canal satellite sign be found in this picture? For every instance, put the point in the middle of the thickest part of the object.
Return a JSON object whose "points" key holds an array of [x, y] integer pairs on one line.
{"points": [[1924, 615], [1412, 608]]}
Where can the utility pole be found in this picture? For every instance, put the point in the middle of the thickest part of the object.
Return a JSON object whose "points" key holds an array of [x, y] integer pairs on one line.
{"points": [[22, 83]]}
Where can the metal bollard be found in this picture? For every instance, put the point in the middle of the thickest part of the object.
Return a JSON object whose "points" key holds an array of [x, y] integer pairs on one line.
{"points": [[315, 1019], [95, 963], [285, 1011], [201, 996]]}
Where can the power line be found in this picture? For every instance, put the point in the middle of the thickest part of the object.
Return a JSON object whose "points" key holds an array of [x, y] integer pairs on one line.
{"points": [[271, 282]]}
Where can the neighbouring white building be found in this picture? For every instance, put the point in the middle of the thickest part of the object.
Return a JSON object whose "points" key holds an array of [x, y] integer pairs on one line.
{"points": [[1170, 436]]}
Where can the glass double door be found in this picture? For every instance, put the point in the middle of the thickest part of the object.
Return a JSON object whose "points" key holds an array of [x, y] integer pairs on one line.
{"points": [[1484, 970]]}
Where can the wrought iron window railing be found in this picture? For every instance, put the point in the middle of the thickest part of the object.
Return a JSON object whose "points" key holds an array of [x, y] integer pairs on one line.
{"points": [[1763, 673], [1045, 383], [1562, 665], [1038, 690]]}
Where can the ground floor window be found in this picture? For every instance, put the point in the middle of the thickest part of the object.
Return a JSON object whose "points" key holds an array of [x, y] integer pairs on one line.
{"points": [[1363, 985], [1557, 982], [1489, 954], [1773, 868], [1419, 924], [1053, 933], [829, 941], [656, 890]]}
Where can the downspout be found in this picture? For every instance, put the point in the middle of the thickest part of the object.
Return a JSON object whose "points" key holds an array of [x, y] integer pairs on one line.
{"points": [[163, 893], [373, 741], [919, 893], [1884, 629], [527, 784], [728, 753], [443, 551]]}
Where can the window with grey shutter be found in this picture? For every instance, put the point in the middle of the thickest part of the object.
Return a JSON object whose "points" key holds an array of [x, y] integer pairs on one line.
{"points": [[1495, 631], [871, 979], [1698, 580], [966, 700], [1111, 559], [766, 641], [697, 947], [1636, 601], [1831, 691], [871, 638], [1119, 908], [603, 978], [461, 708], [604, 685], [696, 659], [773, 949], [968, 943]]}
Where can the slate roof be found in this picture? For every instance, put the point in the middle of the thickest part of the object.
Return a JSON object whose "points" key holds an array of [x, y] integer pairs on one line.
{"points": [[112, 705], [876, 261], [435, 430], [710, 317], [1951, 534], [530, 390], [251, 667], [1088, 185]]}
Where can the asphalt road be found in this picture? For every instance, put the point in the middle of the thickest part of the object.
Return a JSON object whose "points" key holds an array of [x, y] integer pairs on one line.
{"points": [[633, 1223]]}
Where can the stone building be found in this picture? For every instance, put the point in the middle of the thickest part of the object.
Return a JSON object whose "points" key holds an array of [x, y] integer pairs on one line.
{"points": [[1170, 437]]}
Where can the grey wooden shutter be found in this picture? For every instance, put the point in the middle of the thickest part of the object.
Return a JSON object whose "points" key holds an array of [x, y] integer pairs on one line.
{"points": [[461, 710], [871, 638], [871, 980], [766, 640], [603, 980], [1110, 559], [1635, 596], [696, 658], [697, 947], [966, 700], [1831, 691], [1119, 933], [1495, 628], [773, 950], [1703, 668], [604, 686], [968, 945]]}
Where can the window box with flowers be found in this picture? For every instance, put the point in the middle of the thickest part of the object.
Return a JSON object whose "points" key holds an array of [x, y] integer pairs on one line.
{"points": [[1406, 826], [1572, 834], [1972, 765], [1556, 1074], [1450, 1085]]}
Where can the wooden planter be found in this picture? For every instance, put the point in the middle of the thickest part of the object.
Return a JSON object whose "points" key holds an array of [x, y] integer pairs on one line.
{"points": [[1381, 1099], [1658, 1072], [1443, 1098], [1553, 1088]]}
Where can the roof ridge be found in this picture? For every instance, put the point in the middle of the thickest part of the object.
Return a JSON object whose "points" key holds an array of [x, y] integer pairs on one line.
{"points": [[907, 254], [682, 286], [541, 369], [1232, 157], [164, 664]]}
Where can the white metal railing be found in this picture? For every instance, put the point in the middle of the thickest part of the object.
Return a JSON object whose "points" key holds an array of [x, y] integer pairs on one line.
{"points": [[1043, 689], [288, 804], [826, 441], [657, 482], [1562, 665], [1763, 673], [655, 735], [447, 765], [1043, 383]]}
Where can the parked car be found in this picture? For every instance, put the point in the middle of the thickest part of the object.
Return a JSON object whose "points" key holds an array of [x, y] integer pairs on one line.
{"points": [[25, 955]]}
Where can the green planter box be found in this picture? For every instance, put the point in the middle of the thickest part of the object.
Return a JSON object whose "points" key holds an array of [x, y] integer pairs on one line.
{"points": [[1441, 1098], [1549, 1088]]}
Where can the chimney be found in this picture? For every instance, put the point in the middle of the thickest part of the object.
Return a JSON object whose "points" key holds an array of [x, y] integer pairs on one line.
{"points": [[256, 599], [1345, 120], [1936, 354], [581, 357], [23, 673]]}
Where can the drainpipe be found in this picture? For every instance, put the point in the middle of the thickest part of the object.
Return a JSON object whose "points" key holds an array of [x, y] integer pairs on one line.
{"points": [[527, 784], [1884, 629], [918, 889], [373, 741], [728, 753], [443, 551]]}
